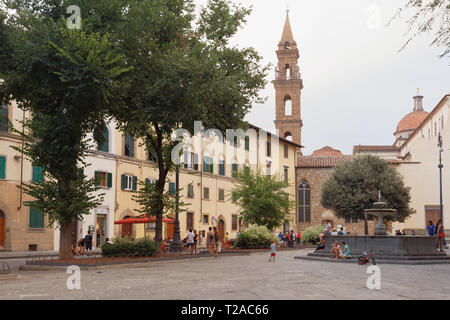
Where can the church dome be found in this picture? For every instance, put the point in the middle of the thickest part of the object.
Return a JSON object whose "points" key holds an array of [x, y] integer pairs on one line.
{"points": [[411, 121], [327, 151]]}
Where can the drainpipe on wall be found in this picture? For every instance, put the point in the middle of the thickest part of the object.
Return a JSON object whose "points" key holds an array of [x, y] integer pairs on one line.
{"points": [[21, 163]]}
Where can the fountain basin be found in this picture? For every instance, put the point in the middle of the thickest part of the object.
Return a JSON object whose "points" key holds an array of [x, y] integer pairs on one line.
{"points": [[380, 211]]}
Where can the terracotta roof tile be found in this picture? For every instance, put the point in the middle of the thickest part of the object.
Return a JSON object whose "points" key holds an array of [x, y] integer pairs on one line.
{"points": [[327, 151], [321, 161], [360, 148]]}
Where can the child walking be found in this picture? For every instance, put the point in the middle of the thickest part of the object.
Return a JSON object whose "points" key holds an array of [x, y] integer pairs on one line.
{"points": [[273, 251]]}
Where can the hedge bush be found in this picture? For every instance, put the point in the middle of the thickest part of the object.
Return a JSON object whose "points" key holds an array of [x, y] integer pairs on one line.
{"points": [[311, 234], [255, 237], [144, 247]]}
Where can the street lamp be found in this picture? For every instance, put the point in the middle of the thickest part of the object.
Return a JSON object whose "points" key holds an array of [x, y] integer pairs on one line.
{"points": [[440, 166], [176, 246]]}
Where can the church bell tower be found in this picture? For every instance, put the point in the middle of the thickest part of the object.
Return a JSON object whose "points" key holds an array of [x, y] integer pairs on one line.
{"points": [[288, 85]]}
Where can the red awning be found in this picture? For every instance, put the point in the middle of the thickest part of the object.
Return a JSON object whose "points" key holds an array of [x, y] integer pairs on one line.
{"points": [[133, 220]]}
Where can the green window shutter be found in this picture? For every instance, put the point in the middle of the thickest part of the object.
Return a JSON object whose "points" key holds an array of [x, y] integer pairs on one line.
{"points": [[105, 146], [36, 219], [234, 170], [211, 163], [38, 174], [97, 178], [172, 188], [134, 183], [109, 180], [147, 181], [2, 167], [205, 164], [124, 182], [247, 143], [81, 172]]}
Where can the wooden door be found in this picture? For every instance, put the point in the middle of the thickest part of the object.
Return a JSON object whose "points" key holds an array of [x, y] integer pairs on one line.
{"points": [[170, 229], [2, 230], [221, 230]]}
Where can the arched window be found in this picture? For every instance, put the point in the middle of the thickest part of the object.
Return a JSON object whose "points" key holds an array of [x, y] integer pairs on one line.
{"points": [[287, 46], [129, 146], [287, 106], [105, 146], [288, 136], [288, 72], [304, 202]]}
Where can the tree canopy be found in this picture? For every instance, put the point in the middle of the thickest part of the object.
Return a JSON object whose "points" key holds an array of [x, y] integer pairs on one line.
{"points": [[262, 199], [354, 186]]}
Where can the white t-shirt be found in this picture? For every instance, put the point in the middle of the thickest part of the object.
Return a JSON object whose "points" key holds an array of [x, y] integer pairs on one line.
{"points": [[190, 237], [327, 228]]}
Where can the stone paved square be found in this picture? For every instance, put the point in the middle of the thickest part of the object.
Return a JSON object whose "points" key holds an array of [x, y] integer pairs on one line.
{"points": [[235, 277]]}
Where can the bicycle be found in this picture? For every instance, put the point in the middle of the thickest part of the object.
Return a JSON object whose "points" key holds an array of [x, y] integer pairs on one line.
{"points": [[367, 257]]}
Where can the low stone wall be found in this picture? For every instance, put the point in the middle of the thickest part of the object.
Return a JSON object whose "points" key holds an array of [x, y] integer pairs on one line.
{"points": [[387, 245]]}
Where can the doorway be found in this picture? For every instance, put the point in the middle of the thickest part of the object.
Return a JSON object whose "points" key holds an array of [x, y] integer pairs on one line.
{"points": [[221, 226], [286, 226], [2, 230], [170, 229], [101, 230], [127, 229], [432, 213]]}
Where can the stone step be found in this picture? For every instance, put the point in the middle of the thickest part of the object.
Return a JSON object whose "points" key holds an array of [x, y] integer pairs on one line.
{"points": [[379, 261], [391, 257]]}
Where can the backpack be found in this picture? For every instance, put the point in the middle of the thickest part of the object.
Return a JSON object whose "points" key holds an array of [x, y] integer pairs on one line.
{"points": [[340, 233]]}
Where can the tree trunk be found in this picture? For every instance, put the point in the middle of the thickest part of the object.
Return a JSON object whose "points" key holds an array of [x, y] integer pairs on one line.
{"points": [[366, 226], [65, 242]]}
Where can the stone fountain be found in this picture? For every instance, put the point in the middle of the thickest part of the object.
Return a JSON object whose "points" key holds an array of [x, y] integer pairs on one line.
{"points": [[387, 248], [380, 210]]}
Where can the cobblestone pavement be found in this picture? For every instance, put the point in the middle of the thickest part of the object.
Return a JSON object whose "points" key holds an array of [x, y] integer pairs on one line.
{"points": [[235, 277]]}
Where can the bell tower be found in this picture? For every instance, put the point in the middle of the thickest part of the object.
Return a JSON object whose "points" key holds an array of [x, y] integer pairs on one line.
{"points": [[288, 85]]}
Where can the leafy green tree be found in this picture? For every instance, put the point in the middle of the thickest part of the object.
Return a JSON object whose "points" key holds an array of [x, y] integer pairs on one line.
{"points": [[184, 71], [262, 200], [67, 80], [354, 186], [149, 200], [426, 16]]}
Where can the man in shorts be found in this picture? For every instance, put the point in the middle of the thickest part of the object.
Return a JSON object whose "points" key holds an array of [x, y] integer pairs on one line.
{"points": [[88, 243], [190, 241]]}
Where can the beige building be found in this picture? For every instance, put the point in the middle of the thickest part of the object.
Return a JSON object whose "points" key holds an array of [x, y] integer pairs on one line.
{"points": [[21, 228]]}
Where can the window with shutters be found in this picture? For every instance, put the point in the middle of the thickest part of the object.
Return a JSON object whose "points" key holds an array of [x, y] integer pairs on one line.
{"points": [[172, 188], [247, 143], [221, 168], [304, 202], [221, 195], [188, 160], [129, 183], [129, 146], [150, 181], [105, 146], [189, 220], [190, 190], [2, 167], [206, 193], [38, 174], [286, 175], [205, 219], [268, 149], [103, 179], [208, 164], [234, 170], [4, 118], [286, 150], [234, 222], [36, 219]]}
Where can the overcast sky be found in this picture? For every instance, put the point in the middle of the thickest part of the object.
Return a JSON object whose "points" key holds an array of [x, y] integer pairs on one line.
{"points": [[357, 86]]}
